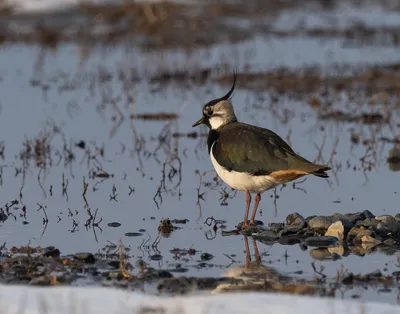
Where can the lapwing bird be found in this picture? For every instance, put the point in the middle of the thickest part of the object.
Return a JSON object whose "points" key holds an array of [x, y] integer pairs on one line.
{"points": [[250, 158]]}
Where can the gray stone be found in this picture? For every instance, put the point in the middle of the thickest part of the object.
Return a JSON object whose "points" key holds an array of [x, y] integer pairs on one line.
{"points": [[297, 225], [354, 232], [276, 226], [323, 222], [85, 257], [368, 214], [354, 217], [310, 217], [51, 251], [360, 235], [369, 222], [267, 234], [157, 257], [386, 219], [292, 218], [388, 229], [336, 230], [339, 215], [206, 256], [322, 241]]}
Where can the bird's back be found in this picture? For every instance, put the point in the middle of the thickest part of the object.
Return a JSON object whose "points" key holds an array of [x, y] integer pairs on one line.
{"points": [[246, 148]]}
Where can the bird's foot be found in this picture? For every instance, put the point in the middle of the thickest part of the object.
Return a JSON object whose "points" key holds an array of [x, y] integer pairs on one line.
{"points": [[245, 225], [252, 223]]}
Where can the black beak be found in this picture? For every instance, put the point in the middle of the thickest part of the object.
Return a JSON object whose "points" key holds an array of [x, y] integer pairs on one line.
{"points": [[201, 121]]}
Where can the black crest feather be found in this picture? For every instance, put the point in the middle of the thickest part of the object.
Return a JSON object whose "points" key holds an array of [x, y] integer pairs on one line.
{"points": [[229, 94], [226, 97]]}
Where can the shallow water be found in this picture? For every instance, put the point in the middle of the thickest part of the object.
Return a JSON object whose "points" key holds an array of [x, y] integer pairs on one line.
{"points": [[44, 91]]}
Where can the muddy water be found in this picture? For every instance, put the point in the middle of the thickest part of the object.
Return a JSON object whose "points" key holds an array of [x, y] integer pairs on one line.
{"points": [[86, 110]]}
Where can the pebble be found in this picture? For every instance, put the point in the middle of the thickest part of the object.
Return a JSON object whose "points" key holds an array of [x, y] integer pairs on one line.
{"points": [[297, 225], [336, 230], [369, 222], [354, 217], [358, 238], [386, 219], [85, 257], [206, 257], [156, 257], [276, 226], [353, 233], [3, 216], [164, 274], [386, 229], [323, 222], [291, 218], [368, 214], [320, 241], [114, 224], [133, 234], [51, 251]]}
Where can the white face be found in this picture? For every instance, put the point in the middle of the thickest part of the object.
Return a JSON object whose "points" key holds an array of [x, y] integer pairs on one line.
{"points": [[216, 121], [219, 114]]}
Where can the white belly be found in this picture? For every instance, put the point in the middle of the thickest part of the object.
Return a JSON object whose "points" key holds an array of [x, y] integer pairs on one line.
{"points": [[243, 181]]}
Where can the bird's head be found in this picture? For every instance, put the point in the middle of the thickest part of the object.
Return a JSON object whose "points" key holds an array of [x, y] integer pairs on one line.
{"points": [[218, 112]]}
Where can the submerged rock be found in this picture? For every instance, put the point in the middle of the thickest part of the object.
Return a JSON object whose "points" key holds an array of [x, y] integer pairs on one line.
{"points": [[367, 239], [322, 241], [206, 257], [289, 240]]}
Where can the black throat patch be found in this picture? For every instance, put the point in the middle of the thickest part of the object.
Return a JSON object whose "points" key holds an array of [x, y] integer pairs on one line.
{"points": [[213, 136]]}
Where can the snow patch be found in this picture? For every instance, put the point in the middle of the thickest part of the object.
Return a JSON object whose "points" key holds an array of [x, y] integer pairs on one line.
{"points": [[77, 300]]}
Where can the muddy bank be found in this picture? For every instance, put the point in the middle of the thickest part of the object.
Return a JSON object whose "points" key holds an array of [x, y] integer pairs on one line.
{"points": [[178, 25]]}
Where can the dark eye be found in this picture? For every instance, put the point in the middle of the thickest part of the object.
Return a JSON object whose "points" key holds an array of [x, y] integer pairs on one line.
{"points": [[208, 111]]}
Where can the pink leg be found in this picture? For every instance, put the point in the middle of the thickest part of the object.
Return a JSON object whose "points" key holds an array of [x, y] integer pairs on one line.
{"points": [[253, 216], [246, 215]]}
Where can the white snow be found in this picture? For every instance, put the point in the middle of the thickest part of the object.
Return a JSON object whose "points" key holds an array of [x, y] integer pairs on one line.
{"points": [[47, 6], [77, 300]]}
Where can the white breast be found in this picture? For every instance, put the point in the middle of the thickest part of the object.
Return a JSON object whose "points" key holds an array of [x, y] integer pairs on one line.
{"points": [[241, 180]]}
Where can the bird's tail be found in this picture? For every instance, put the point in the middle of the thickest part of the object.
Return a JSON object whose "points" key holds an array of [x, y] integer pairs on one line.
{"points": [[321, 172]]}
